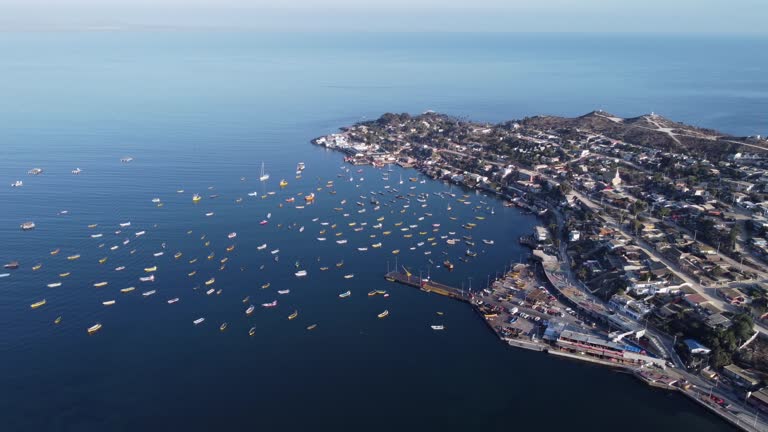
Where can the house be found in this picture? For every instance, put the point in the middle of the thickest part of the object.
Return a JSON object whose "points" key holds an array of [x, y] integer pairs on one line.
{"points": [[741, 377], [733, 296], [695, 347], [695, 300]]}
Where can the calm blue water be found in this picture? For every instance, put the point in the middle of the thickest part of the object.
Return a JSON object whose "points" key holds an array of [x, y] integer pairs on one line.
{"points": [[200, 110]]}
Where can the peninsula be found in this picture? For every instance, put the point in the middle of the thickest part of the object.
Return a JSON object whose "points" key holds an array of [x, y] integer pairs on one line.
{"points": [[652, 251]]}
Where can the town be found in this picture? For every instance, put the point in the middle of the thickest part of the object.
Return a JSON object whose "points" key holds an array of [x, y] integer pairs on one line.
{"points": [[652, 250]]}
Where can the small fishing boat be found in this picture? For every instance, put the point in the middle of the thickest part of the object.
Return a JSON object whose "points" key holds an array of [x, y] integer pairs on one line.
{"points": [[57, 320], [150, 269], [210, 291], [383, 314], [55, 251], [37, 267], [173, 300], [269, 305], [301, 273], [150, 278], [345, 294], [210, 281], [100, 284], [250, 309], [125, 224], [349, 276], [37, 304], [231, 235], [108, 302], [283, 292], [262, 247], [177, 255], [293, 315], [148, 293], [223, 326], [312, 327], [26, 226], [127, 290], [252, 331], [196, 198], [198, 321], [372, 293], [94, 328]]}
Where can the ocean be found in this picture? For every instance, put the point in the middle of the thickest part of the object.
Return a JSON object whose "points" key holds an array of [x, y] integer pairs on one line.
{"points": [[200, 112]]}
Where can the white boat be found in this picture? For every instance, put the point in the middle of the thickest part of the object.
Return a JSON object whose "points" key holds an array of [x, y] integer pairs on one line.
{"points": [[349, 276], [321, 238], [275, 252], [53, 285], [121, 268], [150, 278], [140, 233], [342, 241], [283, 292], [270, 305], [198, 321], [210, 291], [232, 235], [76, 171], [438, 327], [157, 254], [301, 273], [209, 214], [262, 247], [173, 300], [94, 328], [301, 229], [155, 200], [108, 303], [362, 249], [250, 310], [114, 248], [345, 294], [148, 293], [264, 176], [4, 275], [97, 235], [17, 183]]}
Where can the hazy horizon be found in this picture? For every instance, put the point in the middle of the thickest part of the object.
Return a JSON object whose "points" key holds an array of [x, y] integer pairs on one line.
{"points": [[524, 16]]}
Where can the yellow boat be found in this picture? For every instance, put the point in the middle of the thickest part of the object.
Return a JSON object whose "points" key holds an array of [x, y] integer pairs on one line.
{"points": [[352, 224], [73, 257], [94, 328], [57, 320], [386, 233], [103, 260], [127, 290], [55, 251], [407, 235], [338, 234], [230, 248], [100, 284], [93, 226], [150, 269], [266, 285], [480, 217], [192, 273], [333, 226], [64, 274], [208, 243], [380, 219], [396, 251], [38, 304], [398, 223], [210, 281], [384, 314], [372, 293], [210, 257], [196, 198], [37, 267], [283, 183], [293, 315], [422, 233]]}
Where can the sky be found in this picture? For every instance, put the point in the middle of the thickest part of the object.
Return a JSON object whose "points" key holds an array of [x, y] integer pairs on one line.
{"points": [[592, 16]]}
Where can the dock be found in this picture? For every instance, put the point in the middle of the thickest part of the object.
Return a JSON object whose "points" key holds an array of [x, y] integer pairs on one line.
{"points": [[428, 285]]}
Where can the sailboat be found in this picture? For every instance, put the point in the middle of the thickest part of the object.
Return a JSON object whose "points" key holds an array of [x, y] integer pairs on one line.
{"points": [[264, 176]]}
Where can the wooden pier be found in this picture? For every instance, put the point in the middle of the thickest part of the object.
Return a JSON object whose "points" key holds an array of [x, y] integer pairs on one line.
{"points": [[428, 285]]}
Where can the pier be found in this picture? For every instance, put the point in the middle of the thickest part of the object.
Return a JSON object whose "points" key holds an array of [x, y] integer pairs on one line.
{"points": [[428, 285]]}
